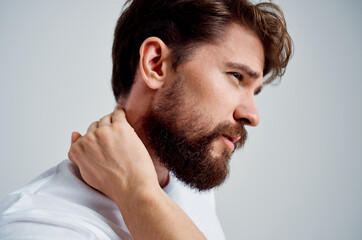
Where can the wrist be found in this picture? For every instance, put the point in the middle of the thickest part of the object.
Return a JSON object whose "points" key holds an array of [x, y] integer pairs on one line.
{"points": [[137, 194]]}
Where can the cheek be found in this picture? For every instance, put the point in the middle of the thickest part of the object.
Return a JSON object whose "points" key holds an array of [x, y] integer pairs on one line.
{"points": [[215, 103], [211, 93], [202, 84]]}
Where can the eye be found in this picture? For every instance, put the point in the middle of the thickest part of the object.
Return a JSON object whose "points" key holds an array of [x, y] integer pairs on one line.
{"points": [[236, 75]]}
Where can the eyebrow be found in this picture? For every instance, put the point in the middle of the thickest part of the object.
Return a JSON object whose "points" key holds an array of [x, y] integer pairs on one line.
{"points": [[258, 90], [243, 68], [247, 70]]}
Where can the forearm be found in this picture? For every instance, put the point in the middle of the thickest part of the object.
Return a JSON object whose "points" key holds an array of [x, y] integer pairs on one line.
{"points": [[153, 214]]}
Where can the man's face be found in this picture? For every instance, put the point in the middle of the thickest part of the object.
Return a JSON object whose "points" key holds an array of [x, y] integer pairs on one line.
{"points": [[198, 119]]}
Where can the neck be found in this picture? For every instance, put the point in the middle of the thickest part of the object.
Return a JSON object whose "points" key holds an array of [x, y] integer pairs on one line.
{"points": [[162, 174], [161, 171], [136, 107]]}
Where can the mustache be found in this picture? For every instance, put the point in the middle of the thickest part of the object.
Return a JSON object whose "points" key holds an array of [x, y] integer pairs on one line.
{"points": [[227, 128]]}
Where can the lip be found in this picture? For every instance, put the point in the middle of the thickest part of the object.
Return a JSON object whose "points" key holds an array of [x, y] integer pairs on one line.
{"points": [[229, 143], [234, 138]]}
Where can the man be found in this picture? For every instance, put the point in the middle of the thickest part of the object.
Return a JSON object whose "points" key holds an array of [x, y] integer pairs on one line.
{"points": [[185, 74]]}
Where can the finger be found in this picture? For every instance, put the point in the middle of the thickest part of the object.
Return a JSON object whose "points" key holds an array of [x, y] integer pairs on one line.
{"points": [[118, 107], [75, 137], [118, 116], [70, 157], [92, 127], [106, 120]]}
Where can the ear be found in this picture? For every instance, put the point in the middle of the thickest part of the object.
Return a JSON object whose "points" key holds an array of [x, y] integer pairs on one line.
{"points": [[155, 62]]}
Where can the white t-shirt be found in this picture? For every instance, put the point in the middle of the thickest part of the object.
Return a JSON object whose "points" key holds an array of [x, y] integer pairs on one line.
{"points": [[60, 205]]}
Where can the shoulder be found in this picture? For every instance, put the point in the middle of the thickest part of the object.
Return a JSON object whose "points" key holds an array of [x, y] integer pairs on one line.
{"points": [[59, 200]]}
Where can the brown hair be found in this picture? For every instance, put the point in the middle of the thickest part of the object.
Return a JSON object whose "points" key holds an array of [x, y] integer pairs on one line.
{"points": [[185, 24]]}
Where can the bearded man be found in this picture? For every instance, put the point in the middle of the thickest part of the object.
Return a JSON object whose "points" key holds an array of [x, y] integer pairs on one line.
{"points": [[185, 75]]}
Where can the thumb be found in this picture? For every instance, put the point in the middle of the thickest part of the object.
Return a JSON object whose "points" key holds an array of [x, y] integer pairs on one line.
{"points": [[75, 137]]}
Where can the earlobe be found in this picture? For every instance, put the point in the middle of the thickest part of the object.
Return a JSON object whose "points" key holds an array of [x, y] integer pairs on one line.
{"points": [[154, 62]]}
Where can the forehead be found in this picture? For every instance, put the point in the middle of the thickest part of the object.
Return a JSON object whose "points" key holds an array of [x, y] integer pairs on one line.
{"points": [[238, 44]]}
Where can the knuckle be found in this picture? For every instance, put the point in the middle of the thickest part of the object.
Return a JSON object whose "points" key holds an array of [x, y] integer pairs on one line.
{"points": [[70, 156], [119, 127], [73, 153], [120, 115], [103, 119], [88, 140], [103, 132]]}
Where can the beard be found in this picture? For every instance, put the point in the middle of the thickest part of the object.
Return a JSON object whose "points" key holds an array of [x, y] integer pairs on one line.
{"points": [[181, 138]]}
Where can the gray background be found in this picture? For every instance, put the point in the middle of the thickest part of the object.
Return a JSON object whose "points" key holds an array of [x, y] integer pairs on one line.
{"points": [[299, 176]]}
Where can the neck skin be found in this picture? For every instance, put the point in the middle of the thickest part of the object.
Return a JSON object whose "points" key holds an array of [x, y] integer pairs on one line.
{"points": [[136, 106]]}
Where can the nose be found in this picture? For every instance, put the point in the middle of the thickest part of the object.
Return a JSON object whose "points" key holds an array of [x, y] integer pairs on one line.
{"points": [[246, 112]]}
